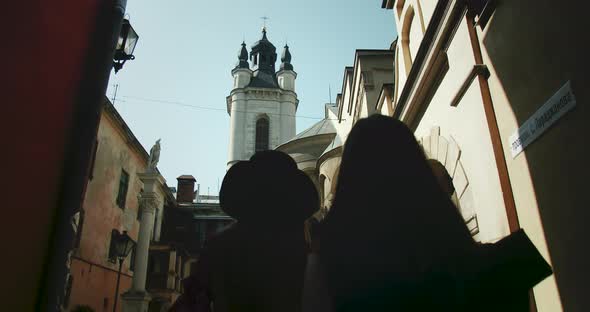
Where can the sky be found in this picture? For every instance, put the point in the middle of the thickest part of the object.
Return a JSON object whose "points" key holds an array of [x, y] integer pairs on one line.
{"points": [[175, 89]]}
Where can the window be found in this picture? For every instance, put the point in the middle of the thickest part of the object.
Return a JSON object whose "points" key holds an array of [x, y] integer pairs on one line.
{"points": [[261, 134], [153, 264], [123, 185], [406, 28], [112, 256]]}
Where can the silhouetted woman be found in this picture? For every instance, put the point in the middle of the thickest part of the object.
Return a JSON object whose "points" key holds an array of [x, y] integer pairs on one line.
{"points": [[394, 241], [257, 264]]}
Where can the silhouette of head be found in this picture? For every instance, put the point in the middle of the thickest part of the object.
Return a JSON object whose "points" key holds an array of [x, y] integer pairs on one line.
{"points": [[384, 168], [388, 194], [268, 189]]}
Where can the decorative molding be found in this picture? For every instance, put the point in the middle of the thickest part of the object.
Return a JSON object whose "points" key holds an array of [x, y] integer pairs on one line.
{"points": [[460, 179], [438, 27], [453, 154], [448, 153], [434, 135], [148, 202], [443, 145], [426, 146]]}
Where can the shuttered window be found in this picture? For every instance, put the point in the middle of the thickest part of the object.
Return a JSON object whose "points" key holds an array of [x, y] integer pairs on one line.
{"points": [[123, 186]]}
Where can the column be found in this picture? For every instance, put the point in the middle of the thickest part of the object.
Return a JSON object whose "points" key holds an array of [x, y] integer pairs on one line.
{"points": [[171, 274], [158, 225], [137, 298]]}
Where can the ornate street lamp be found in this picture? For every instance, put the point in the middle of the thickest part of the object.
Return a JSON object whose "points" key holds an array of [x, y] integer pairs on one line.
{"points": [[125, 45], [122, 246]]}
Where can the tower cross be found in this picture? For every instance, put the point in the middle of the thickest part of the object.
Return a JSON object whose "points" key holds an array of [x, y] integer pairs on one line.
{"points": [[264, 18]]}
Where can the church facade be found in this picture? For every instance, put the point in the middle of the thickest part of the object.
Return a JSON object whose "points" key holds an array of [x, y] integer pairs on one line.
{"points": [[263, 102]]}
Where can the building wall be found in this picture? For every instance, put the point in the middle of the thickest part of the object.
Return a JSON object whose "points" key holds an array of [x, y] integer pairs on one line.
{"points": [[377, 70], [93, 282], [94, 276], [94, 286], [529, 60], [250, 104], [345, 124], [466, 125], [329, 170]]}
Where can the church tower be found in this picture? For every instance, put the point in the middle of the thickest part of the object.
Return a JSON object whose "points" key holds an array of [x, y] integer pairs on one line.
{"points": [[263, 102]]}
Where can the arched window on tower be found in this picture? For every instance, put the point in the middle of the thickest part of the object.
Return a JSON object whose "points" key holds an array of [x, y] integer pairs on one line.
{"points": [[261, 134]]}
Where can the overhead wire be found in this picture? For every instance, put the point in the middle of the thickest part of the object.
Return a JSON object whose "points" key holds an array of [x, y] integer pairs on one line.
{"points": [[209, 108]]}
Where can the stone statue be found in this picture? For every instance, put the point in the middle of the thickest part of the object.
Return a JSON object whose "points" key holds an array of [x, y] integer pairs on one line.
{"points": [[154, 156]]}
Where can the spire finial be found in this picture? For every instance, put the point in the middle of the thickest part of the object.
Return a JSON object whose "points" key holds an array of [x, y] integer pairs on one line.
{"points": [[286, 59], [243, 57], [264, 19]]}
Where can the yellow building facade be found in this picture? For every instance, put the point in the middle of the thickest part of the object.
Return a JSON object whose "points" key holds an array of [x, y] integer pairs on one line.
{"points": [[495, 92]]}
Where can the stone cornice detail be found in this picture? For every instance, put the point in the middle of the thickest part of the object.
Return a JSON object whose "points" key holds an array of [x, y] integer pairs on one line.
{"points": [[261, 94]]}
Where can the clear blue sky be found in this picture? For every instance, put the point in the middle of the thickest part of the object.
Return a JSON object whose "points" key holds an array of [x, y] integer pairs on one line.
{"points": [[187, 49]]}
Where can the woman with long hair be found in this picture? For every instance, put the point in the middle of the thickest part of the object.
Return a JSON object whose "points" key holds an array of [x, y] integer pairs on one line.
{"points": [[394, 241]]}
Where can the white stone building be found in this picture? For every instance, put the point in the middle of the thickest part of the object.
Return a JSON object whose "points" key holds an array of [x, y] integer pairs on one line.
{"points": [[263, 103]]}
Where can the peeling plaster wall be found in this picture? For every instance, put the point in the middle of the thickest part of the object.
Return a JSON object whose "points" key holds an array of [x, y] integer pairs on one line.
{"points": [[94, 277]]}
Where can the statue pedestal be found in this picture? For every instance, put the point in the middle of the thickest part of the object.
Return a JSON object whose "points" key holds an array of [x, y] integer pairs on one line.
{"points": [[136, 301]]}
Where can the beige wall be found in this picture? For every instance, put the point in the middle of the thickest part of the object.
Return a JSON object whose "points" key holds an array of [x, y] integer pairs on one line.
{"points": [[466, 124], [529, 59], [329, 169], [549, 178]]}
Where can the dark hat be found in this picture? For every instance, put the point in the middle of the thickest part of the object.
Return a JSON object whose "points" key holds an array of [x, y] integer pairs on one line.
{"points": [[268, 188], [235, 188]]}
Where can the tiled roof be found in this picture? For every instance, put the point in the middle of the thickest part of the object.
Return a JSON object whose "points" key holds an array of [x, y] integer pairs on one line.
{"points": [[323, 126], [263, 80]]}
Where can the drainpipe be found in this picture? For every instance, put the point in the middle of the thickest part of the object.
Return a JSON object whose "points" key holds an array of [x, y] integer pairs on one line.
{"points": [[488, 106]]}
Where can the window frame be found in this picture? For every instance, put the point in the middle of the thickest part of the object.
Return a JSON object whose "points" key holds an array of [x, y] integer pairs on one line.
{"points": [[121, 199], [112, 258], [258, 135]]}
